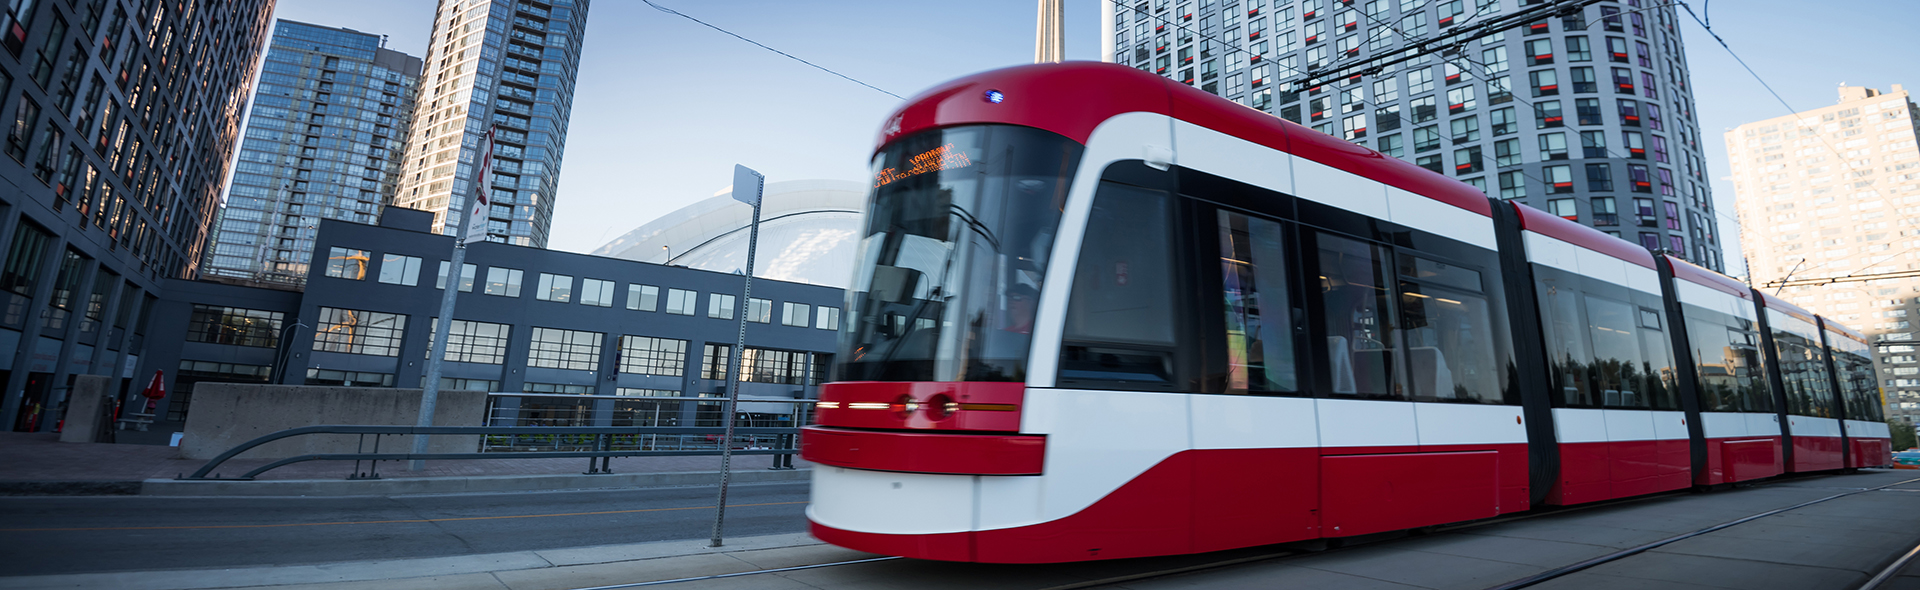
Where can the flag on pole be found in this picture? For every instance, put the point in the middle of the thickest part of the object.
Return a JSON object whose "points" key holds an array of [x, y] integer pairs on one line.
{"points": [[478, 213]]}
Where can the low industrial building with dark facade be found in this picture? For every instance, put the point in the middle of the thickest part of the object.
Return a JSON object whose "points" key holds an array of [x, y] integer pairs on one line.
{"points": [[552, 325]]}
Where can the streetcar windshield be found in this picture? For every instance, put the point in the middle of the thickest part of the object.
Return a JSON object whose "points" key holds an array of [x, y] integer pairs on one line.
{"points": [[959, 227]]}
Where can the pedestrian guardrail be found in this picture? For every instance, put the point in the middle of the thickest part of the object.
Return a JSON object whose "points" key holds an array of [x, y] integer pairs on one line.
{"points": [[598, 444]]}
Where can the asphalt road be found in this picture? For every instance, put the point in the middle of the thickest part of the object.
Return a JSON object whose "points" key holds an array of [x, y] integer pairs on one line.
{"points": [[66, 535]]}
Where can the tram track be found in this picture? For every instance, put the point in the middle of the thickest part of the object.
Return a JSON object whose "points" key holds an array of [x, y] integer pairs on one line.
{"points": [[1241, 558]]}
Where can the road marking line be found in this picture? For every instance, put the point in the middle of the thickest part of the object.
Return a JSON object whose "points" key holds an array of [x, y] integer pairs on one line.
{"points": [[413, 521]]}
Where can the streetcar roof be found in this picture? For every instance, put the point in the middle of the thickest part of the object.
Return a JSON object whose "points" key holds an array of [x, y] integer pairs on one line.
{"points": [[1073, 98], [1692, 273]]}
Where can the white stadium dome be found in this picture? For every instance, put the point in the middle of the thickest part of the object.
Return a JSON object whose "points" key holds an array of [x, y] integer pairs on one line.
{"points": [[808, 232]]}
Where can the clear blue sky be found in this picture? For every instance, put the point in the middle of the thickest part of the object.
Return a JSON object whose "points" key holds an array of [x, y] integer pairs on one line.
{"points": [[666, 107]]}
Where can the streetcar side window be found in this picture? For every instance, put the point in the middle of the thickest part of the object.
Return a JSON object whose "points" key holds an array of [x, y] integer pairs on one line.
{"points": [[1259, 324], [1607, 344], [1567, 350], [1803, 366], [1362, 337], [1449, 333], [1616, 349], [1119, 323], [1727, 362]]}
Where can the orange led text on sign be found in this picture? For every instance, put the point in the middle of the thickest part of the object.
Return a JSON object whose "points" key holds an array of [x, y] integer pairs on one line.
{"points": [[934, 160]]}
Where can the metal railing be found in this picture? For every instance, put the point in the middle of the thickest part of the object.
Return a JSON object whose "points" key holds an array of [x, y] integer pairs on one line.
{"points": [[558, 410], [598, 444]]}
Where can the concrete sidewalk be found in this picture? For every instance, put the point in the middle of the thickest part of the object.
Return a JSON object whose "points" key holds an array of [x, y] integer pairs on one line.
{"points": [[38, 464]]}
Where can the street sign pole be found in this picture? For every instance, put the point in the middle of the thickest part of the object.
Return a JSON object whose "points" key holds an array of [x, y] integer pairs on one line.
{"points": [[747, 186], [430, 390]]}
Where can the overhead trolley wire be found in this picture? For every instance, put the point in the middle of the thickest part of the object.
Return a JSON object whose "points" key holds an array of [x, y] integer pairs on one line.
{"points": [[764, 46]]}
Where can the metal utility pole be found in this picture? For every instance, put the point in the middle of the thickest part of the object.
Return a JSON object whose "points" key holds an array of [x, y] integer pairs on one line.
{"points": [[475, 215], [747, 185]]}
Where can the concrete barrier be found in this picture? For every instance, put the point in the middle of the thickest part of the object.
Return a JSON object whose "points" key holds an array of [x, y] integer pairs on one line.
{"points": [[227, 414], [458, 485], [86, 409]]}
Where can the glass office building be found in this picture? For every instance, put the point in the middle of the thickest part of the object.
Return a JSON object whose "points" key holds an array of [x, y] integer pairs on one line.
{"points": [[1588, 116], [323, 141], [507, 64]]}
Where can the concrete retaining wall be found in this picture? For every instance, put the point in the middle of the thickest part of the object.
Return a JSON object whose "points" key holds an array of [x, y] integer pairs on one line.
{"points": [[227, 414]]}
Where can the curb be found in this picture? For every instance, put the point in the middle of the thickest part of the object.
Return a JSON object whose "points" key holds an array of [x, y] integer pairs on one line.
{"points": [[455, 485], [69, 488]]}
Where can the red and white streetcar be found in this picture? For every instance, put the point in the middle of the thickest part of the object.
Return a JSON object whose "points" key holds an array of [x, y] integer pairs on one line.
{"points": [[1099, 314]]}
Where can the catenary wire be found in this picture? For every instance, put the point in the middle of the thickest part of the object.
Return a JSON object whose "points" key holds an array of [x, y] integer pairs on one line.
{"points": [[763, 46]]}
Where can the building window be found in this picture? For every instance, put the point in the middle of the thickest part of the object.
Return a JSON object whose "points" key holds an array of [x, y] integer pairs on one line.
{"points": [[643, 355], [794, 314], [1545, 82], [457, 384], [1391, 145], [1604, 212], [643, 297], [1466, 130], [1553, 146], [720, 307], [1539, 52], [1623, 80], [347, 263], [1583, 80], [1593, 144], [1499, 90], [1423, 109], [23, 261], [472, 342], [1513, 185], [1659, 149], [1673, 216], [1678, 244], [596, 292], [560, 388], [1426, 138], [1588, 110], [1599, 178], [1650, 241], [785, 367], [1616, 50], [1564, 209], [1559, 179], [1429, 162], [713, 361], [1503, 122], [680, 301], [1387, 118], [554, 348], [466, 277], [1578, 49], [235, 326], [502, 281], [1466, 161], [1546, 114], [555, 288], [1460, 100], [1644, 215], [827, 318], [1506, 152], [396, 269], [760, 311], [353, 331], [1629, 113], [348, 378]]}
